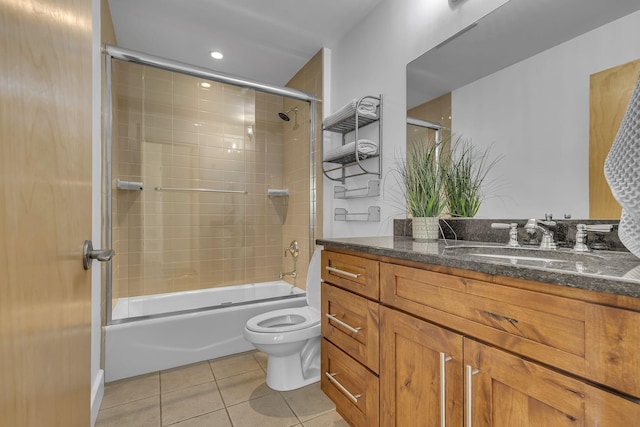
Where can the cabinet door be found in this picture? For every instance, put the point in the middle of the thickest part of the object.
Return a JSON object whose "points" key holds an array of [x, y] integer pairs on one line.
{"points": [[420, 372], [503, 390]]}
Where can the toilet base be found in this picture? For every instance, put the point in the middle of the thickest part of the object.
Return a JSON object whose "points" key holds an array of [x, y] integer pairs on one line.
{"points": [[295, 370]]}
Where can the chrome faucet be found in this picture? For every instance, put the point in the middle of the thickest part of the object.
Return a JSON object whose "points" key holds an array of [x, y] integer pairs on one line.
{"points": [[581, 239], [294, 250], [513, 232], [288, 273], [533, 225]]}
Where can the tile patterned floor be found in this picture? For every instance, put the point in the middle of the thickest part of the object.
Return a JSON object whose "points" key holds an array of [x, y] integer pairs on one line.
{"points": [[225, 392]]}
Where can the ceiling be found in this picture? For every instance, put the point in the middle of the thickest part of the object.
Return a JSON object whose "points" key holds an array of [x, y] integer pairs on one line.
{"points": [[267, 41]]}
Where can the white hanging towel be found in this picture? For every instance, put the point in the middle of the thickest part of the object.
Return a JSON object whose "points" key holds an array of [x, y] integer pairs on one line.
{"points": [[622, 170]]}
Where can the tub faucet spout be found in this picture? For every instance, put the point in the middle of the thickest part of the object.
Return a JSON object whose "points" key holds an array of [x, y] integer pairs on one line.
{"points": [[288, 273], [294, 250]]}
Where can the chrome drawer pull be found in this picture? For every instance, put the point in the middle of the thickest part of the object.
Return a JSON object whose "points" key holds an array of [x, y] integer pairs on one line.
{"points": [[344, 273], [470, 372], [346, 392], [443, 388], [341, 323]]}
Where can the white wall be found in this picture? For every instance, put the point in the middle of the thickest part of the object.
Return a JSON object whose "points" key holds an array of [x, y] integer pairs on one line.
{"points": [[536, 113], [372, 60]]}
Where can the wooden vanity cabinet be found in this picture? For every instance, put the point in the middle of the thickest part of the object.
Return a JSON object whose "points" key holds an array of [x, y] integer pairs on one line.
{"points": [[428, 373], [512, 346], [350, 330], [457, 349], [430, 376]]}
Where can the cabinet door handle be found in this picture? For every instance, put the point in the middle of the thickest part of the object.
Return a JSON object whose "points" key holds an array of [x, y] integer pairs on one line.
{"points": [[350, 396], [342, 272], [470, 372], [343, 324], [443, 388]]}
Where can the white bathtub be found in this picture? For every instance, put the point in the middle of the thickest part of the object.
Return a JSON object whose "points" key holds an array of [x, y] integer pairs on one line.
{"points": [[153, 344]]}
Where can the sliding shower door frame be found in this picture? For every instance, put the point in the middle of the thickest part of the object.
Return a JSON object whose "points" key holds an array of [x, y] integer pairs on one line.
{"points": [[114, 52]]}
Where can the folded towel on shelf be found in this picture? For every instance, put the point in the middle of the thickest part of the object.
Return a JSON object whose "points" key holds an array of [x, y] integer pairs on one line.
{"points": [[366, 147], [366, 108]]}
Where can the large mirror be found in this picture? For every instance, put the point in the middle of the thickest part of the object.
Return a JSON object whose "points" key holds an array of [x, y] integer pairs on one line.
{"points": [[518, 80]]}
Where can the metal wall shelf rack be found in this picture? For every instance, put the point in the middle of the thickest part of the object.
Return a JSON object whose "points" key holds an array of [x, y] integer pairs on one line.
{"points": [[353, 163]]}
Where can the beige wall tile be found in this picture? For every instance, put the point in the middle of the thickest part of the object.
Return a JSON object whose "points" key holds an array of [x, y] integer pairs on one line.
{"points": [[192, 138]]}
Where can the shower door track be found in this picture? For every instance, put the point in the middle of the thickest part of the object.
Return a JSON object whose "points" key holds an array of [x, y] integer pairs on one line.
{"points": [[115, 52]]}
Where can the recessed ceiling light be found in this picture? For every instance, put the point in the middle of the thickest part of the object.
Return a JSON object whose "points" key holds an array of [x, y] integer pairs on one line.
{"points": [[205, 85], [216, 55]]}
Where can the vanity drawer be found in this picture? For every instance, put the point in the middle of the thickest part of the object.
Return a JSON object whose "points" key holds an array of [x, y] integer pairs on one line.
{"points": [[351, 386], [351, 322], [547, 328], [356, 274]]}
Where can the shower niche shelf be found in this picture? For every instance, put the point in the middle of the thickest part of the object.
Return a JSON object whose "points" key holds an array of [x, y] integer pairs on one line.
{"points": [[371, 190], [350, 159], [372, 215]]}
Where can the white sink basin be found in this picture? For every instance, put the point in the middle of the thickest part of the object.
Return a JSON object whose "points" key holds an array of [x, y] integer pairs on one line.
{"points": [[519, 258], [530, 253]]}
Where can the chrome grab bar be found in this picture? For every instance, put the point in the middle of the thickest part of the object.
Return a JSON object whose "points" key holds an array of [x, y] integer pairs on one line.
{"points": [[350, 396], [341, 323], [342, 272], [204, 190], [470, 372], [443, 389]]}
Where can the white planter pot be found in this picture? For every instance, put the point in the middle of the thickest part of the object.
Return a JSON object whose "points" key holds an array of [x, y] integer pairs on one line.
{"points": [[426, 228]]}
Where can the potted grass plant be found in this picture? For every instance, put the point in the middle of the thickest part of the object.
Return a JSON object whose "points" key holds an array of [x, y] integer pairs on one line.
{"points": [[422, 174], [464, 174]]}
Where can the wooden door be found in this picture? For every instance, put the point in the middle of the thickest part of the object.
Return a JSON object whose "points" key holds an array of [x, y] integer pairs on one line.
{"points": [[414, 356], [610, 92], [45, 212], [507, 391]]}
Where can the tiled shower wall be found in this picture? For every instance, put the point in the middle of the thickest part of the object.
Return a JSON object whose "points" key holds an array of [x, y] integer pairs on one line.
{"points": [[296, 174], [175, 133]]}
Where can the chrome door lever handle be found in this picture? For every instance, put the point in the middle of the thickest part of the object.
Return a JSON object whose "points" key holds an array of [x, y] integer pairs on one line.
{"points": [[102, 255], [89, 254]]}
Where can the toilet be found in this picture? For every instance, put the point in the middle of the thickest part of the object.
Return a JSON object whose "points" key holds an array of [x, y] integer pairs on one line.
{"points": [[291, 337]]}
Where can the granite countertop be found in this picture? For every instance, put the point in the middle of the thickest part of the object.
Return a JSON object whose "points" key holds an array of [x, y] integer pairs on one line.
{"points": [[602, 271]]}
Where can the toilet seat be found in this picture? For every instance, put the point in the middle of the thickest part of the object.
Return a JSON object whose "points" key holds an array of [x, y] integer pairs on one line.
{"points": [[284, 320]]}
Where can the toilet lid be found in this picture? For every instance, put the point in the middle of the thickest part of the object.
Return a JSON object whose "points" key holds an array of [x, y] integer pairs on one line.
{"points": [[313, 279], [284, 320]]}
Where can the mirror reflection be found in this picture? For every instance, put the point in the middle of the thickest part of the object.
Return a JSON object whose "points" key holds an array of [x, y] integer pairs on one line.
{"points": [[521, 80]]}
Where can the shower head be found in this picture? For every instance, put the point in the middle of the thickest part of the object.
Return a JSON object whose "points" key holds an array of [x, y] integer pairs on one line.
{"points": [[285, 115]]}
